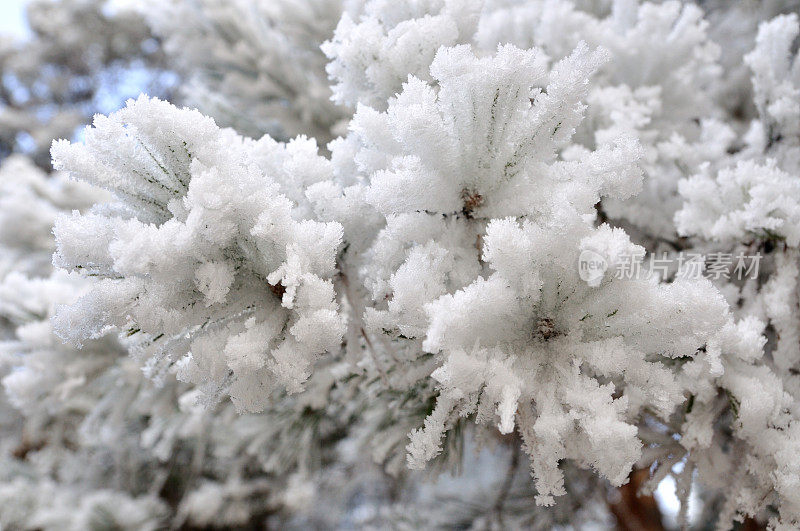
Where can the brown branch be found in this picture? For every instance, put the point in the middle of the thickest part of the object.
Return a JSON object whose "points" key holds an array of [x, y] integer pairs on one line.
{"points": [[634, 512], [751, 524]]}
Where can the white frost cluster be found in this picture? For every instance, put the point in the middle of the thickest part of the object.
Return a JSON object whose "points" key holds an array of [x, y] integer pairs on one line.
{"points": [[378, 44], [201, 254], [746, 201], [776, 80], [30, 202], [569, 363]]}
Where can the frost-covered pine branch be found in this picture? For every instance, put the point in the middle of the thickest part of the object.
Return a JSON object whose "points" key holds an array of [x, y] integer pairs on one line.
{"points": [[194, 267], [451, 267]]}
